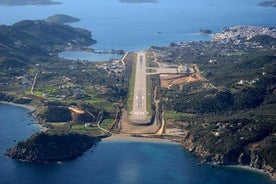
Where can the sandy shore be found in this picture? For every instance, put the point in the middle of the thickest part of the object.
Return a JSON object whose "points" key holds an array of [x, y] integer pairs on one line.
{"points": [[31, 108], [129, 138]]}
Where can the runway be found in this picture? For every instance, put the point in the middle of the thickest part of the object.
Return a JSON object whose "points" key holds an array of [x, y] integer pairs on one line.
{"points": [[139, 109]]}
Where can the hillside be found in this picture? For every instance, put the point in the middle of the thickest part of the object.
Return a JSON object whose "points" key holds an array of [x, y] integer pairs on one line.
{"points": [[32, 73], [229, 117], [43, 147]]}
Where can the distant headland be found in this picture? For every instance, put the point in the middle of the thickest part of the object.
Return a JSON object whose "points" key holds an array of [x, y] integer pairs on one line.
{"points": [[62, 19], [27, 2], [205, 31], [268, 3], [138, 1]]}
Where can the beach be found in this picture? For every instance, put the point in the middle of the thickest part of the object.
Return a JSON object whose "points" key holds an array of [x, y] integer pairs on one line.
{"points": [[29, 107], [130, 138]]}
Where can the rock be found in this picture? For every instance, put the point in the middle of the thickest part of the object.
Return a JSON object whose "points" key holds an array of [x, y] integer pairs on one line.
{"points": [[43, 147]]}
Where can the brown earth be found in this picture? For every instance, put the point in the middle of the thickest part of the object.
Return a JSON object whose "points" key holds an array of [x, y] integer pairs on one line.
{"points": [[168, 80]]}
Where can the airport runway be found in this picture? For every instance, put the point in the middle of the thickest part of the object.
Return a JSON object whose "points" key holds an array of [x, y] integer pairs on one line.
{"points": [[139, 109]]}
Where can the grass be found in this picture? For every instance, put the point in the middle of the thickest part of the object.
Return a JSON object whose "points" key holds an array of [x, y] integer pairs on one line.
{"points": [[131, 86], [107, 124], [177, 115], [63, 128], [33, 70], [51, 90], [38, 93], [92, 131], [82, 127], [149, 100]]}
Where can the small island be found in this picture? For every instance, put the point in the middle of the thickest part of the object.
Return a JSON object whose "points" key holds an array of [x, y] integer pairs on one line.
{"points": [[138, 1], [62, 19], [27, 2], [205, 31], [268, 3], [42, 147]]}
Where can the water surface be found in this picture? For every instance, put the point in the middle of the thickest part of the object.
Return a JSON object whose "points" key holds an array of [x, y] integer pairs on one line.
{"points": [[132, 26], [111, 162]]}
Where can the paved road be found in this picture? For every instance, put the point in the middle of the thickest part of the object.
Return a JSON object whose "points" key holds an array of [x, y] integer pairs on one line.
{"points": [[139, 109]]}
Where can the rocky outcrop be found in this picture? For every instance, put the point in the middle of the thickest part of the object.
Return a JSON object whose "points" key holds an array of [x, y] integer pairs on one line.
{"points": [[255, 155], [43, 147]]}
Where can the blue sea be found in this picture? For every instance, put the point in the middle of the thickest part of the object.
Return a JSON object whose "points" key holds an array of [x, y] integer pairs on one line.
{"points": [[119, 162], [138, 26], [130, 27]]}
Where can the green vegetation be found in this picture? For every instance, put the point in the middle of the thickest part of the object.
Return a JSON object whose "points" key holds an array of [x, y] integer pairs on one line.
{"points": [[231, 111], [131, 85], [60, 83], [108, 124], [149, 96], [43, 147], [178, 116]]}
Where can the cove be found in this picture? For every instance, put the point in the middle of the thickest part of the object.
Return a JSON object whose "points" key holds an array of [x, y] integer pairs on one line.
{"points": [[123, 162]]}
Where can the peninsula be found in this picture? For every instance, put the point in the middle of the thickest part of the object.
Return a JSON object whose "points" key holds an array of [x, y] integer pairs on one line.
{"points": [[42, 147], [27, 2], [268, 3]]}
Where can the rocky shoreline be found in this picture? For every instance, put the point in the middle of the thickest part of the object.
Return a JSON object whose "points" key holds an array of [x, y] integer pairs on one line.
{"points": [[35, 150], [245, 160]]}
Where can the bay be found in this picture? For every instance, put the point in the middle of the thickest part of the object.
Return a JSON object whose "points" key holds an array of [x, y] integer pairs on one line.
{"points": [[123, 162]]}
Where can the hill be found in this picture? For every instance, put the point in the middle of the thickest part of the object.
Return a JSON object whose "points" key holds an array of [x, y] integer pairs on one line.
{"points": [[43, 147], [229, 116]]}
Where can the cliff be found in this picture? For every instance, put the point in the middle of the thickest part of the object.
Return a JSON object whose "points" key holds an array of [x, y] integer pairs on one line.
{"points": [[43, 147], [259, 155]]}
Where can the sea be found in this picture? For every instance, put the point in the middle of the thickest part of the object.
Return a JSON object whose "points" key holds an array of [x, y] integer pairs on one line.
{"points": [[138, 26], [122, 162], [132, 27]]}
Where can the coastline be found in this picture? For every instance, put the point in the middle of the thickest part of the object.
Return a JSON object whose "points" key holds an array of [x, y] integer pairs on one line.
{"points": [[29, 107], [144, 139], [252, 169], [130, 138], [147, 139]]}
